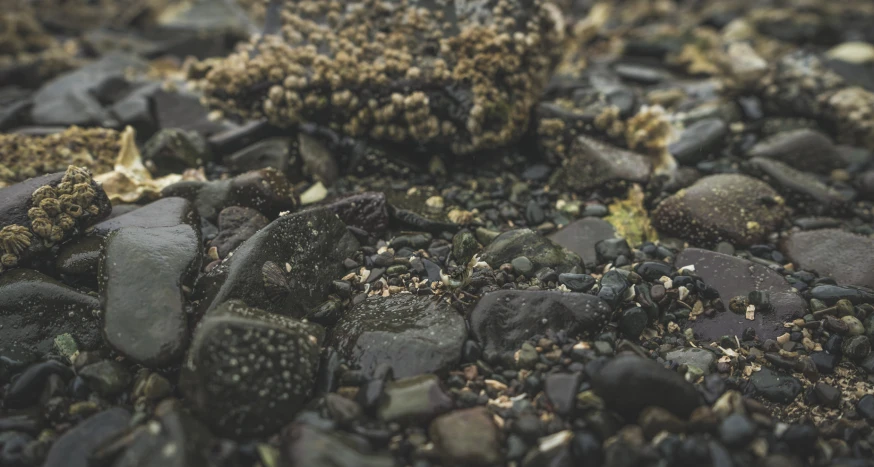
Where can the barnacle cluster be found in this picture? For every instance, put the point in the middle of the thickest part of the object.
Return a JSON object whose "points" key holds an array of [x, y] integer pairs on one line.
{"points": [[56, 209], [24, 156], [455, 73], [20, 31], [13, 240]]}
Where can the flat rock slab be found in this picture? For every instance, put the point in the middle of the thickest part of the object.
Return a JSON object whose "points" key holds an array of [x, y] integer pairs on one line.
{"points": [[34, 309], [166, 212], [413, 334], [505, 319], [541, 251], [582, 235], [142, 276], [285, 268], [732, 277], [846, 257]]}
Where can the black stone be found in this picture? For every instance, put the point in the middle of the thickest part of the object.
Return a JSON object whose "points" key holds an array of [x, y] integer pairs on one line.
{"points": [[609, 249], [26, 389], [561, 391], [699, 140], [74, 447], [583, 235], [577, 282], [775, 386], [542, 252], [613, 286]]}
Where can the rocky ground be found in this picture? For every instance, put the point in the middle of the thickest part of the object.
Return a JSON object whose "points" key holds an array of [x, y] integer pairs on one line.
{"points": [[417, 233]]}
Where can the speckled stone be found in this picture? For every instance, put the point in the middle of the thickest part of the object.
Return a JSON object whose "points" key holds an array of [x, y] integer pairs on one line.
{"points": [[843, 256]]}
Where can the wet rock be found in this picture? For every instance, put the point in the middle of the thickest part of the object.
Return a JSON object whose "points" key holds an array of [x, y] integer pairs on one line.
{"points": [[266, 190], [78, 261], [286, 267], [628, 384], [701, 359], [841, 255], [367, 211], [248, 372], [581, 237], [417, 108], [654, 420], [805, 149], [698, 141], [417, 399], [165, 212], [410, 209], [467, 437], [318, 162], [653, 270], [633, 321], [561, 391], [613, 287], [541, 251], [273, 152], [236, 225], [35, 308], [592, 163], [801, 189], [142, 275], [728, 207], [732, 277], [413, 335], [180, 439], [173, 151], [464, 246], [522, 265], [81, 97], [182, 110], [553, 450], [303, 444], [26, 389], [608, 250], [865, 407], [74, 447], [106, 377], [577, 282], [737, 430], [830, 294], [827, 395], [504, 319], [774, 386], [857, 348], [41, 212], [825, 362]]}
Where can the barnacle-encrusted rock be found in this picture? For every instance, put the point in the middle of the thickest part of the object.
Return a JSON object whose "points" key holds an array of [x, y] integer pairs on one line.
{"points": [[42, 212], [23, 156], [28, 53], [457, 73], [248, 371]]}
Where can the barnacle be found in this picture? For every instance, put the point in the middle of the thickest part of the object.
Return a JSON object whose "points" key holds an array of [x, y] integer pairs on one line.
{"points": [[463, 74], [14, 239], [26, 156]]}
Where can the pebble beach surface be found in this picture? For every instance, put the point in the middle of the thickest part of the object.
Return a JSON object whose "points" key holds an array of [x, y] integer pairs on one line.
{"points": [[522, 233]]}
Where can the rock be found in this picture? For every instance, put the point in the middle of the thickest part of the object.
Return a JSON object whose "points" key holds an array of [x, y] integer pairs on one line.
{"points": [[182, 110], [165, 212], [286, 267], [582, 235], [774, 386], [701, 359], [275, 152], [613, 287], [653, 270], [26, 389], [654, 420], [727, 207], [302, 444], [857, 348], [266, 190], [827, 395], [504, 319], [608, 250], [35, 308], [367, 211], [244, 397], [142, 275], [464, 246], [522, 265], [417, 399], [699, 140], [236, 225], [74, 447], [825, 362], [541, 251], [106, 377], [804, 149], [41, 212], [737, 430], [841, 255], [410, 209], [80, 97], [318, 162], [577, 282], [561, 391], [78, 261], [830, 294], [180, 439], [413, 335], [731, 277], [553, 450], [801, 189], [447, 115], [173, 151], [865, 407], [467, 437], [632, 322], [628, 384], [592, 164]]}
